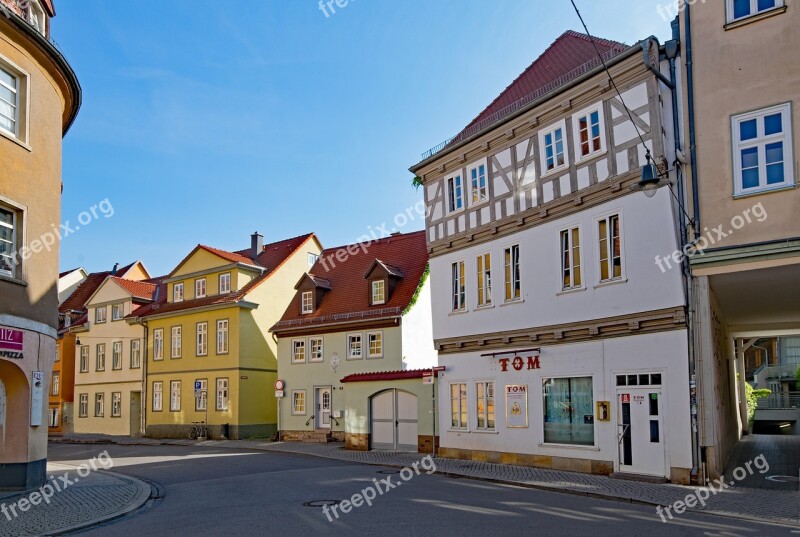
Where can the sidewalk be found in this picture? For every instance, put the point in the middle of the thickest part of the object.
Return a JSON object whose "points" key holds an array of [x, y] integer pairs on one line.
{"points": [[779, 506], [89, 500]]}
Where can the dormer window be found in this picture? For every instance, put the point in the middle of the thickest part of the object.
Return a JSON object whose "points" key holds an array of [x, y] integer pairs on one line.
{"points": [[307, 302], [177, 292], [378, 292], [200, 288], [36, 16]]}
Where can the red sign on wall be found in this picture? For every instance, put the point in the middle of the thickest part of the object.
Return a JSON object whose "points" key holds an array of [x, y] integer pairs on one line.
{"points": [[626, 397], [518, 363], [10, 343]]}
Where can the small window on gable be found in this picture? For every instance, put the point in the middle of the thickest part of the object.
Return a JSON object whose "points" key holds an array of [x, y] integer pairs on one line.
{"points": [[307, 299], [177, 292], [378, 292], [200, 288], [225, 283]]}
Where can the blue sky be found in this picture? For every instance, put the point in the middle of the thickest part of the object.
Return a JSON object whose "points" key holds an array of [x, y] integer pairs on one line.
{"points": [[204, 121]]}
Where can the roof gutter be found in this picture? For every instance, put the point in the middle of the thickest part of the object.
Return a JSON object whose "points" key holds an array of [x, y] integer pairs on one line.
{"points": [[581, 79]]}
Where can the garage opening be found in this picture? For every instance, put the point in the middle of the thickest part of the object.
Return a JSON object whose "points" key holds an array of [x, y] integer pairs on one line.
{"points": [[393, 421]]}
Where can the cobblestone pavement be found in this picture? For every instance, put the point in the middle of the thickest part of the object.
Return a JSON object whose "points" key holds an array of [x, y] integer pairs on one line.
{"points": [[736, 501], [89, 500], [782, 453]]}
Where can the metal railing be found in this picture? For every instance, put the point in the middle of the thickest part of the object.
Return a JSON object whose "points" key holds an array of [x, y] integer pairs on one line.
{"points": [[779, 371], [780, 400]]}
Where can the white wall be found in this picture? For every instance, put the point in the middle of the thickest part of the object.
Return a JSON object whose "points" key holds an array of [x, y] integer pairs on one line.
{"points": [[69, 283], [417, 327]]}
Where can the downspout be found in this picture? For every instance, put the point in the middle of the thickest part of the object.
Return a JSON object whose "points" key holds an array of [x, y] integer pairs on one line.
{"points": [[692, 134], [143, 402]]}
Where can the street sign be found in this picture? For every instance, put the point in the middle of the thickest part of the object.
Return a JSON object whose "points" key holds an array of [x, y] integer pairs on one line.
{"points": [[279, 393], [427, 379], [280, 385]]}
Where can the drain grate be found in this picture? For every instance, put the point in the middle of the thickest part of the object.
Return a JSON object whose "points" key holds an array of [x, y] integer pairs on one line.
{"points": [[390, 472], [322, 503]]}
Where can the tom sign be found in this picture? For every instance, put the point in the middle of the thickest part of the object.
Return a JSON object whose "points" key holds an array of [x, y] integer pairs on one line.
{"points": [[10, 343]]}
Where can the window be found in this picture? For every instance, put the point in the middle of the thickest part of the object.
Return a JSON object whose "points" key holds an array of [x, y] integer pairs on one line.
{"points": [[176, 342], [158, 399], [116, 355], [484, 399], [571, 258], [100, 357], [36, 16], [589, 127], [175, 396], [85, 359], [375, 341], [554, 156], [54, 418], [378, 292], [354, 346], [177, 292], [741, 9], [83, 405], [222, 394], [298, 401], [8, 235], [158, 344], [202, 339], [201, 397], [610, 248], [225, 283], [308, 301], [478, 186], [484, 280], [312, 258], [55, 388], [568, 411], [763, 158], [117, 312], [99, 404], [298, 351], [455, 194], [200, 288], [458, 406], [315, 349], [222, 336], [9, 102], [116, 404], [136, 354], [58, 355], [513, 284], [100, 315], [458, 278]]}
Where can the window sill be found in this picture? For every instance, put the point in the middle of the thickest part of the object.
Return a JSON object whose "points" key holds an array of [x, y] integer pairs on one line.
{"points": [[486, 431], [458, 312], [374, 357], [512, 302], [11, 279], [16, 140], [571, 291], [591, 157], [608, 283], [484, 201], [755, 18], [484, 307], [555, 172], [780, 188], [458, 430], [569, 446]]}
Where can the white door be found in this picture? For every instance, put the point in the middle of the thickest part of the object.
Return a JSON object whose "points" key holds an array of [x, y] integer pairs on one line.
{"points": [[641, 431], [393, 421], [323, 408]]}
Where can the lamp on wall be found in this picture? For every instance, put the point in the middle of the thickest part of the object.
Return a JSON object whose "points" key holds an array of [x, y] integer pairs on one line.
{"points": [[651, 180]]}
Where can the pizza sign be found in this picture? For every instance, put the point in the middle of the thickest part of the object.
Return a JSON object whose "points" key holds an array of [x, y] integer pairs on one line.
{"points": [[10, 343]]}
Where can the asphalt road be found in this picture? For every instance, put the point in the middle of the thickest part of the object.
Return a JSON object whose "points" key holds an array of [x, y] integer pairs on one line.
{"points": [[226, 492]]}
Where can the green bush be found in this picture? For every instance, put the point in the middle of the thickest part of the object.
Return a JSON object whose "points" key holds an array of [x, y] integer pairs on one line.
{"points": [[753, 396]]}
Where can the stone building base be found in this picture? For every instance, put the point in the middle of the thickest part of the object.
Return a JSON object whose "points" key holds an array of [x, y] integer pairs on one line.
{"points": [[585, 466], [22, 475], [356, 441], [424, 444], [312, 436]]}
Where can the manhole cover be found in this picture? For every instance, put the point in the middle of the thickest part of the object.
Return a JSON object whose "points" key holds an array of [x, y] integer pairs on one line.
{"points": [[783, 478], [322, 503], [389, 472]]}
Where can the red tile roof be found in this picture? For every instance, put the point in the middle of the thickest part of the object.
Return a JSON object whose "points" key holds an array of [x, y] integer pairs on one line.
{"points": [[349, 294], [387, 375], [77, 300], [141, 290]]}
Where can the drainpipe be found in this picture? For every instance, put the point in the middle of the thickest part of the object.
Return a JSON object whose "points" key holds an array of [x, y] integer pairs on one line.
{"points": [[143, 402], [692, 134]]}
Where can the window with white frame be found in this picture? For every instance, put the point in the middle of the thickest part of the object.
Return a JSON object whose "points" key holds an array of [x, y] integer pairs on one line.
{"points": [[175, 396], [158, 396], [459, 286], [455, 193], [55, 386], [479, 190], [484, 266], [99, 405], [9, 101], [222, 336], [117, 312], [568, 411], [100, 357], [553, 148], [84, 359], [762, 146], [742, 9], [589, 129], [378, 292], [571, 259], [100, 314], [610, 247], [200, 288], [54, 418], [375, 344], [315, 349], [36, 16], [484, 405], [201, 396], [298, 351], [513, 284], [116, 355], [177, 292], [458, 406], [354, 346], [136, 354], [307, 299], [202, 339], [116, 404], [298, 402], [312, 258], [8, 240], [222, 394], [225, 283], [58, 355], [158, 344], [175, 342], [83, 405]]}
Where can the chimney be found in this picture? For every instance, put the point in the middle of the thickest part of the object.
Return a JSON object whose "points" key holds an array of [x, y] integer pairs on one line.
{"points": [[256, 245], [115, 269]]}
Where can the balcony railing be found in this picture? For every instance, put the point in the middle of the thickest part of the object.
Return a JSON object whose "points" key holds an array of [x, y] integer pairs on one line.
{"points": [[780, 400], [784, 371]]}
